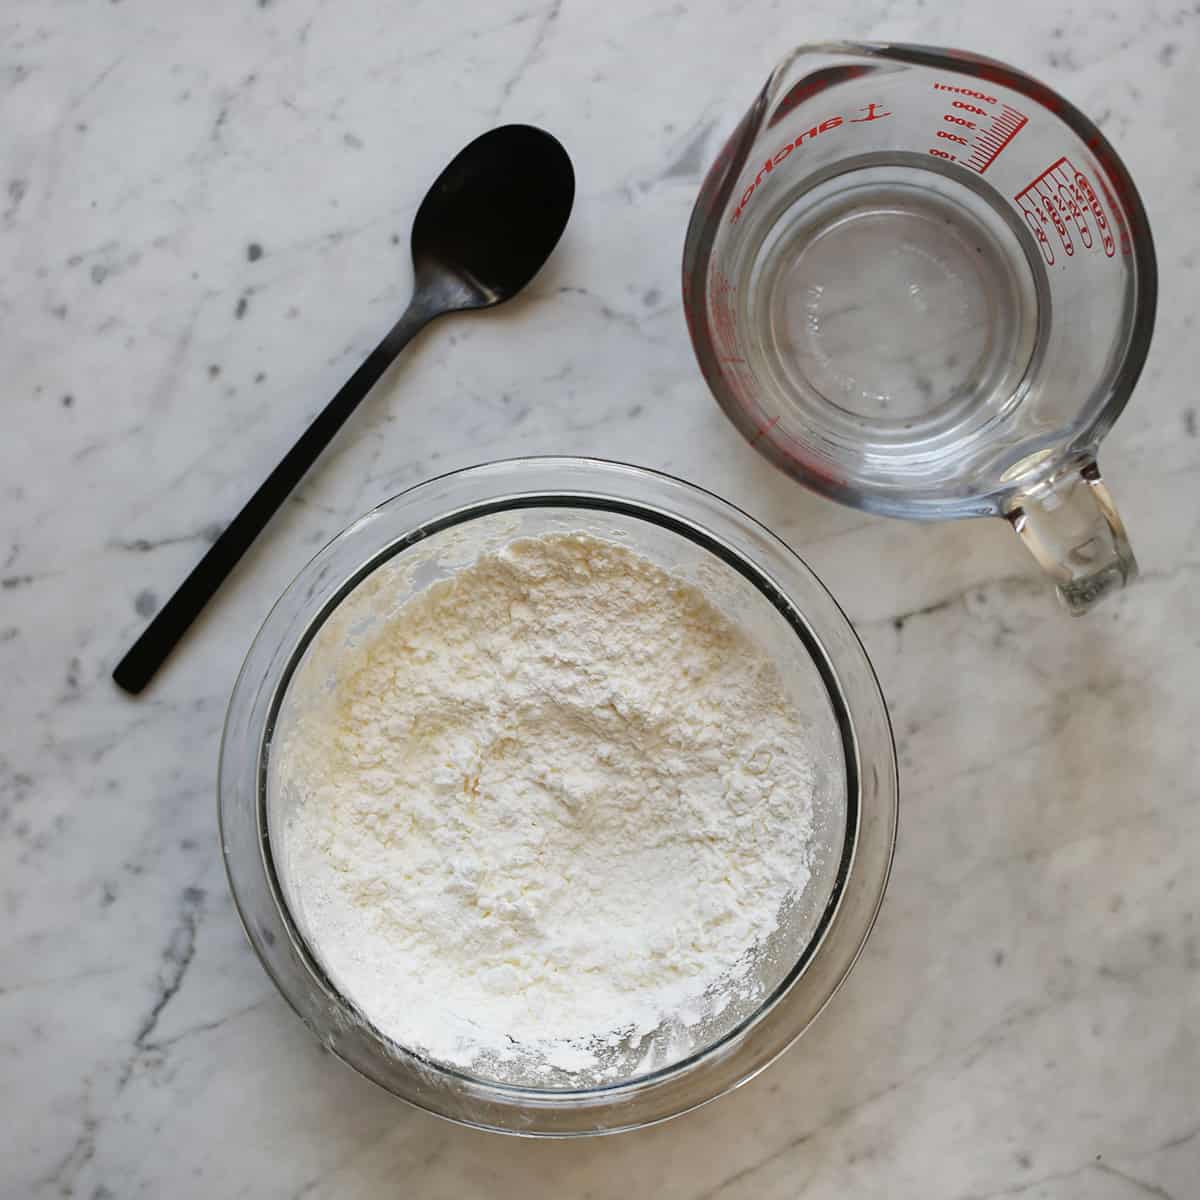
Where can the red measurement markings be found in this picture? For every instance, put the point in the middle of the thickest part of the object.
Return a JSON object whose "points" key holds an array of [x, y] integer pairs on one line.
{"points": [[722, 295], [1061, 198], [870, 112], [982, 132], [963, 91], [1006, 124], [763, 429]]}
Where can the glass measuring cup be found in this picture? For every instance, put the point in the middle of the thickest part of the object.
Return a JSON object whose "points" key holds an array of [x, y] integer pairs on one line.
{"points": [[924, 284]]}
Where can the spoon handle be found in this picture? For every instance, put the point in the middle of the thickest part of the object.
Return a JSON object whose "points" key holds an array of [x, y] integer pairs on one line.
{"points": [[146, 655]]}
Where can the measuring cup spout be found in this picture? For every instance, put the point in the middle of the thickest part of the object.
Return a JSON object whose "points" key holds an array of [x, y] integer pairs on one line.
{"points": [[1072, 528]]}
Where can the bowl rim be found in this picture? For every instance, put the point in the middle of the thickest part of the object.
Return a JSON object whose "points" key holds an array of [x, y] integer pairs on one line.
{"points": [[508, 485], [461, 517]]}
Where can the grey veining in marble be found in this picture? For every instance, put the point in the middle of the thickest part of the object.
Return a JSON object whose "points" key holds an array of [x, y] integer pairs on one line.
{"points": [[204, 215]]}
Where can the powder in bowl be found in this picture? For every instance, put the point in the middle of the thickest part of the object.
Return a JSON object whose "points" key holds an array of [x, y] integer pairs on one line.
{"points": [[546, 807]]}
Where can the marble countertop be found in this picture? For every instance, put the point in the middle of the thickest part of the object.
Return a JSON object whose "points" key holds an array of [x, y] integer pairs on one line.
{"points": [[204, 215]]}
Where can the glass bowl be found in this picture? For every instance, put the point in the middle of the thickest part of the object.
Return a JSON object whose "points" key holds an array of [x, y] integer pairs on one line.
{"points": [[425, 534]]}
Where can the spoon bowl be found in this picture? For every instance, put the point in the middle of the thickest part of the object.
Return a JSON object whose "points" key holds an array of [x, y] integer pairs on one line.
{"points": [[475, 254]]}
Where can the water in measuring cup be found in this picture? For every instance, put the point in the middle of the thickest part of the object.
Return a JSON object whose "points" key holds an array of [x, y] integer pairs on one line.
{"points": [[892, 311]]}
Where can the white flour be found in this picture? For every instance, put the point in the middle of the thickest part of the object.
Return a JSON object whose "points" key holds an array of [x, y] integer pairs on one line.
{"points": [[551, 803]]}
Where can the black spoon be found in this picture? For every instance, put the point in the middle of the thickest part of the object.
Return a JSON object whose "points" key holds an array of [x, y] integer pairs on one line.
{"points": [[482, 232]]}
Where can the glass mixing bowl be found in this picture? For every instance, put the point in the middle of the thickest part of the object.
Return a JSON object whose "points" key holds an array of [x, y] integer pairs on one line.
{"points": [[424, 535]]}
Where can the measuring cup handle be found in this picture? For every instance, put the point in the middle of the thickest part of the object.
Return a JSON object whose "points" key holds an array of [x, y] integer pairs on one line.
{"points": [[1072, 528]]}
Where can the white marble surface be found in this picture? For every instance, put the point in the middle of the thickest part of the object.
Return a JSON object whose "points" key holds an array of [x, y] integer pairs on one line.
{"points": [[1026, 1019]]}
